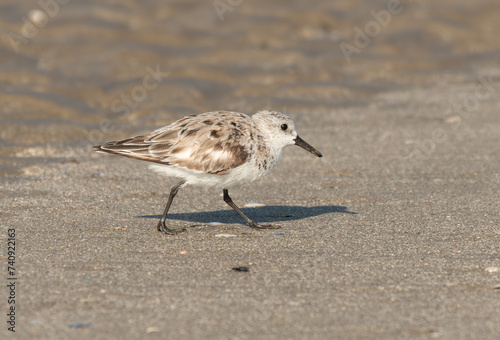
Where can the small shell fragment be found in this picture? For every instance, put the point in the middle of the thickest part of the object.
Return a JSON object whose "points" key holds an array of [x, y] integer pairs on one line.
{"points": [[214, 223], [254, 205], [153, 330], [492, 269], [225, 235]]}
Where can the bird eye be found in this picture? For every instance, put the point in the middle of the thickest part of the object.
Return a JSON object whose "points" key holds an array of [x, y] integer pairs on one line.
{"points": [[284, 127]]}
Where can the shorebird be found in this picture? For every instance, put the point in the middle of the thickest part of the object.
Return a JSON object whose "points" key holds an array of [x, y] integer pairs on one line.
{"points": [[219, 149]]}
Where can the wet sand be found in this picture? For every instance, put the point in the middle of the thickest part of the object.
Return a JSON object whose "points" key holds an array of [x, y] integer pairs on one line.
{"points": [[394, 233]]}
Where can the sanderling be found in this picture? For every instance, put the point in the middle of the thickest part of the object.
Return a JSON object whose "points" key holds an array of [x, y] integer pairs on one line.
{"points": [[216, 149]]}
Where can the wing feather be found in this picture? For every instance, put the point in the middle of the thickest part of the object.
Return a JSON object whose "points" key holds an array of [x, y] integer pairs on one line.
{"points": [[214, 142]]}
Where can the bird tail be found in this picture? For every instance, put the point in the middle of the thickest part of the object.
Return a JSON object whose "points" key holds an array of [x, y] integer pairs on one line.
{"points": [[98, 148]]}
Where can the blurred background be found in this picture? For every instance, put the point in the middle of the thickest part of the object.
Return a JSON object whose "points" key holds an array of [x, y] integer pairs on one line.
{"points": [[75, 73]]}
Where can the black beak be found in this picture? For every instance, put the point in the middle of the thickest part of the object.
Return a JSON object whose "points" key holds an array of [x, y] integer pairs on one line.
{"points": [[300, 142]]}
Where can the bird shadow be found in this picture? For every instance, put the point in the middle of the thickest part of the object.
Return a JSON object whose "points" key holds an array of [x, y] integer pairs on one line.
{"points": [[272, 213]]}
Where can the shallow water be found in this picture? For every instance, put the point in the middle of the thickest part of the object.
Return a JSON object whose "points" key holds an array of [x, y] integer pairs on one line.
{"points": [[97, 70]]}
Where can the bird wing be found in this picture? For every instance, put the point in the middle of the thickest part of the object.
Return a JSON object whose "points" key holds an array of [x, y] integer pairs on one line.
{"points": [[209, 143]]}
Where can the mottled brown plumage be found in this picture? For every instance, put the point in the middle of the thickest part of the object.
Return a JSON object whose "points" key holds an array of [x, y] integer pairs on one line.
{"points": [[215, 144]]}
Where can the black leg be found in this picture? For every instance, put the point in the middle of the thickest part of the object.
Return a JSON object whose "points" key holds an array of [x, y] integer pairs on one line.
{"points": [[251, 223], [161, 225]]}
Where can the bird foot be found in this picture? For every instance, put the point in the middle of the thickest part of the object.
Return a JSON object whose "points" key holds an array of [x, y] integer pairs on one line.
{"points": [[264, 226], [161, 227]]}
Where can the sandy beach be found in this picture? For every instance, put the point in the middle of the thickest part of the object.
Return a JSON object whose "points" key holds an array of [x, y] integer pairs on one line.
{"points": [[393, 234]]}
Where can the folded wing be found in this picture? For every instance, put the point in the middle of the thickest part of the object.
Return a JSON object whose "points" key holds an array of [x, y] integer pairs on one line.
{"points": [[204, 143]]}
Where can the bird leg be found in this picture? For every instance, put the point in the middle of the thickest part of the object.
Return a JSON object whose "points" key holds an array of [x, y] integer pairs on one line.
{"points": [[161, 225], [251, 223]]}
